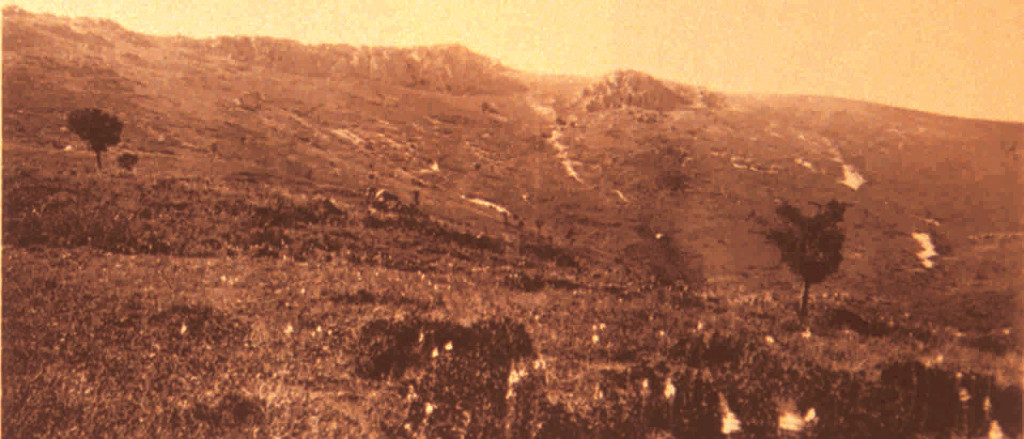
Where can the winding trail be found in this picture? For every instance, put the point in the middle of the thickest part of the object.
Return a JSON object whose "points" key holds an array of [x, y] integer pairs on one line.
{"points": [[563, 155]]}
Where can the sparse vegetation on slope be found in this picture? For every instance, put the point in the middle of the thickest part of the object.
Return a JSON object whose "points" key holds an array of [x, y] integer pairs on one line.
{"points": [[339, 242]]}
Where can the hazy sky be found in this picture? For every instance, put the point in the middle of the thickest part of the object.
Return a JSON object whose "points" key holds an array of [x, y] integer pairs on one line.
{"points": [[955, 57]]}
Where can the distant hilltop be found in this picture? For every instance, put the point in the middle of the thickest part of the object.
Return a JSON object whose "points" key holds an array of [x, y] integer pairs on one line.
{"points": [[451, 68], [631, 88]]}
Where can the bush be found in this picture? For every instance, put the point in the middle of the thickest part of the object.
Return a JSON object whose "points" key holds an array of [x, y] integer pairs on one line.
{"points": [[127, 161]]}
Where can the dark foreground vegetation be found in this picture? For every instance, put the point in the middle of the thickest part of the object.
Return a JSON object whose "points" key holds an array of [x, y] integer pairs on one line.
{"points": [[176, 307], [88, 355]]}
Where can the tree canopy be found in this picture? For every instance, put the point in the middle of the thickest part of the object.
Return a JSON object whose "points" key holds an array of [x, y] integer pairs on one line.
{"points": [[811, 246], [99, 128]]}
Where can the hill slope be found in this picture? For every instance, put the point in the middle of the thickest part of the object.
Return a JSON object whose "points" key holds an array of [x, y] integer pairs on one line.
{"points": [[434, 182]]}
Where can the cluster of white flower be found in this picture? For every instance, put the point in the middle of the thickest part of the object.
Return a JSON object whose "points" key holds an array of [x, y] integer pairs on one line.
{"points": [[595, 338], [790, 420]]}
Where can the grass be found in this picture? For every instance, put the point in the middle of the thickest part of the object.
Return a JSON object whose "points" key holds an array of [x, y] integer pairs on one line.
{"points": [[145, 345], [120, 320]]}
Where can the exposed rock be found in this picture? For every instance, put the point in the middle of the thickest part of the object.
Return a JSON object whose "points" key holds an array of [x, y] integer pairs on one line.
{"points": [[630, 88]]}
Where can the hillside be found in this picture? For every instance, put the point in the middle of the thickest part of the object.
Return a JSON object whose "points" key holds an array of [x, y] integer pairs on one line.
{"points": [[310, 229]]}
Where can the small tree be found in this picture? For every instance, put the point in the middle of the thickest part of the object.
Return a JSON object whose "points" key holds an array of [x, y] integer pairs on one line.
{"points": [[99, 128], [810, 245]]}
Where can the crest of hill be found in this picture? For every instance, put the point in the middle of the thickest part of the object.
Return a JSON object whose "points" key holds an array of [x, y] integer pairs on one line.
{"points": [[444, 68], [631, 88]]}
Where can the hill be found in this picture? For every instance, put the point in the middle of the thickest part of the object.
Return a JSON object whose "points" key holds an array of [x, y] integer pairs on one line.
{"points": [[310, 229]]}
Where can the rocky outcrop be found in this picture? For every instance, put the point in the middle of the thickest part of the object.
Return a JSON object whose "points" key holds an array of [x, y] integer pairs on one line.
{"points": [[633, 89], [629, 88]]}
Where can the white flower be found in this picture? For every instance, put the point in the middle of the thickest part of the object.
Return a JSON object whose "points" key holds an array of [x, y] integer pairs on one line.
{"points": [[183, 329], [670, 389], [769, 339], [595, 338], [448, 346], [995, 431], [515, 375], [700, 326], [790, 421], [810, 416], [806, 333], [288, 330], [730, 423], [421, 337], [411, 395], [434, 353], [539, 363], [429, 408], [601, 326]]}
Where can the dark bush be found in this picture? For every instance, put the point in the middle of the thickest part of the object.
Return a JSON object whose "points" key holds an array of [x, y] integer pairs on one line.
{"points": [[840, 318], [460, 373], [127, 161], [234, 410]]}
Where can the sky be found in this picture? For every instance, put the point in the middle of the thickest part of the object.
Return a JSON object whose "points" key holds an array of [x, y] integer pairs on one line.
{"points": [[956, 57]]}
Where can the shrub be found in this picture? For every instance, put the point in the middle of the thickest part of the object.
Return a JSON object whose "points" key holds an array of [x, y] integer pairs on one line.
{"points": [[127, 161]]}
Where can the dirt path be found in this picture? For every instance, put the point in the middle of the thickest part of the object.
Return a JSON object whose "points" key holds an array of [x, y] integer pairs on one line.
{"points": [[563, 155]]}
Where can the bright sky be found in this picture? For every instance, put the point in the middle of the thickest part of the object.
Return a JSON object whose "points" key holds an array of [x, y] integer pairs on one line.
{"points": [[956, 57]]}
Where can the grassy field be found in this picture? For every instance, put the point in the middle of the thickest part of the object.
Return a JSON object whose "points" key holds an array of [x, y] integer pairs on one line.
{"points": [[189, 311]]}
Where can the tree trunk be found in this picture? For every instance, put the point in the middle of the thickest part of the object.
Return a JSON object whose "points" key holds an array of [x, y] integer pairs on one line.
{"points": [[99, 163], [803, 302]]}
